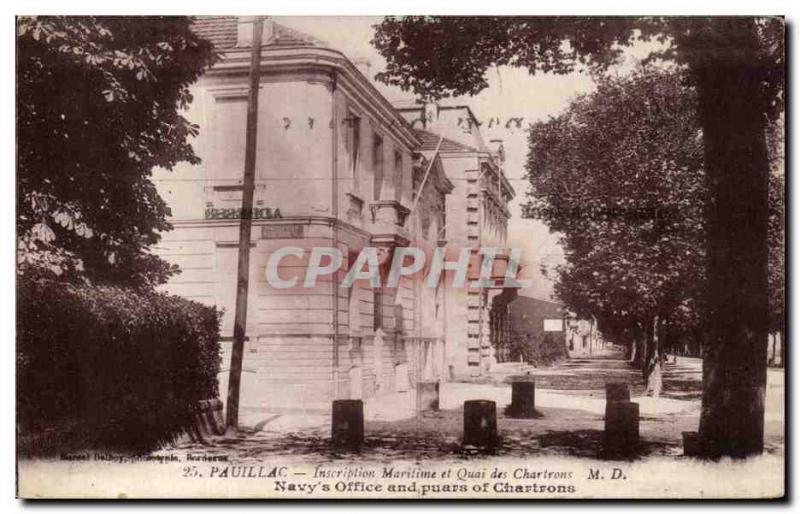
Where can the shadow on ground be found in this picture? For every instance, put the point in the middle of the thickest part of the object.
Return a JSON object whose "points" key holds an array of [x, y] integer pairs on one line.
{"points": [[589, 444], [588, 377], [554, 431], [434, 436], [682, 382]]}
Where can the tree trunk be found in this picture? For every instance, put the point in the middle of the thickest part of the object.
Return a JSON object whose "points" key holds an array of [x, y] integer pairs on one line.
{"points": [[655, 364], [638, 347], [772, 354], [723, 57], [629, 351], [671, 341], [647, 351], [783, 347], [698, 341]]}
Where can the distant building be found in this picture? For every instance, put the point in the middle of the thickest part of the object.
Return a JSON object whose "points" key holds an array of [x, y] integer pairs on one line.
{"points": [[477, 217], [537, 331]]}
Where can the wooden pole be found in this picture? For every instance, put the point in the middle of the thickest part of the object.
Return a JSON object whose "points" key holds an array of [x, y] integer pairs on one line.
{"points": [[245, 226]]}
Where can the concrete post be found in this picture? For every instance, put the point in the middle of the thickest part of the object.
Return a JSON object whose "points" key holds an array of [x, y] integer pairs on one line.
{"points": [[428, 396], [617, 392], [523, 394], [347, 423], [621, 428], [217, 417], [480, 423], [691, 444]]}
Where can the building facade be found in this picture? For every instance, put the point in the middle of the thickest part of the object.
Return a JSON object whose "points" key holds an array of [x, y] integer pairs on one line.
{"points": [[538, 332], [477, 217], [338, 167]]}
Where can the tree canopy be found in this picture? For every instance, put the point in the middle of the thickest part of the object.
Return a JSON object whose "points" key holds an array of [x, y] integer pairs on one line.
{"points": [[438, 56], [777, 229], [736, 65], [99, 103], [620, 175]]}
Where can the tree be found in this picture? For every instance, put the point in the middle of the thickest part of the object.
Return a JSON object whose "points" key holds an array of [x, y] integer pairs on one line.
{"points": [[620, 176], [99, 103], [736, 65], [777, 242]]}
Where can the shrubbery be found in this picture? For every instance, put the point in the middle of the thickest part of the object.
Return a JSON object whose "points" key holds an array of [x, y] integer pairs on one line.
{"points": [[125, 367]]}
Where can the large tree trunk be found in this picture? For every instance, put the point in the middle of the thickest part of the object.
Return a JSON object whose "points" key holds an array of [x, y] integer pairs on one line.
{"points": [[723, 57]]}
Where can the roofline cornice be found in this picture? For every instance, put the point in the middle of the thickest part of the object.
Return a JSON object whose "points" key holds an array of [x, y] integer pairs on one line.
{"points": [[298, 58]]}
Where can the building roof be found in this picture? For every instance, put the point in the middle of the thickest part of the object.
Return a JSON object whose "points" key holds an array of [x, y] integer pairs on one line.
{"points": [[532, 300], [282, 41], [430, 141], [221, 31]]}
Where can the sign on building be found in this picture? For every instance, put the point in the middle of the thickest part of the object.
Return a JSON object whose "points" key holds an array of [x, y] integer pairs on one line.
{"points": [[553, 325]]}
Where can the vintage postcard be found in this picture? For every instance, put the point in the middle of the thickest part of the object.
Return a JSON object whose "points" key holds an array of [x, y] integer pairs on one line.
{"points": [[411, 257]]}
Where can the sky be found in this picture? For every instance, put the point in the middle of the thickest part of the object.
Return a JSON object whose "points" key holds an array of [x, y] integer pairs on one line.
{"points": [[512, 93]]}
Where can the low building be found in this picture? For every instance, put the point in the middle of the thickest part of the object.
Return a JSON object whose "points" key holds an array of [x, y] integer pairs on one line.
{"points": [[538, 332]]}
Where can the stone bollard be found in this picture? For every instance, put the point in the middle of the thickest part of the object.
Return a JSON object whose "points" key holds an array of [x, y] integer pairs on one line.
{"points": [[217, 417], [617, 392], [428, 396], [523, 395], [347, 423], [621, 428], [480, 423], [691, 444]]}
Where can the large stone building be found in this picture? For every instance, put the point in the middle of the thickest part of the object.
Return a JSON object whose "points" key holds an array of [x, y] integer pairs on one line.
{"points": [[477, 217], [337, 166]]}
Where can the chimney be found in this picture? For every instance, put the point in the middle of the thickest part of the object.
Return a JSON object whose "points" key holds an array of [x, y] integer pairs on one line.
{"points": [[430, 114], [498, 152], [244, 30], [363, 66]]}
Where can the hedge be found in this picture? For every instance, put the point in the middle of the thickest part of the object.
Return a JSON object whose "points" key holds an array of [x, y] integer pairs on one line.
{"points": [[126, 368]]}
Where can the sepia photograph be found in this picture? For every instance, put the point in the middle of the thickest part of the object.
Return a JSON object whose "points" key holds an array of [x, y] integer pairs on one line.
{"points": [[425, 257]]}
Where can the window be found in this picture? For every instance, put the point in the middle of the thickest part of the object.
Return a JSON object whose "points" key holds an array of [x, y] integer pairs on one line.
{"points": [[377, 166], [398, 174], [377, 309], [416, 179], [353, 135], [226, 147]]}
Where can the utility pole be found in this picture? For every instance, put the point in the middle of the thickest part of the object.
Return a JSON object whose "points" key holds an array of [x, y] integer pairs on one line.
{"points": [[245, 226]]}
